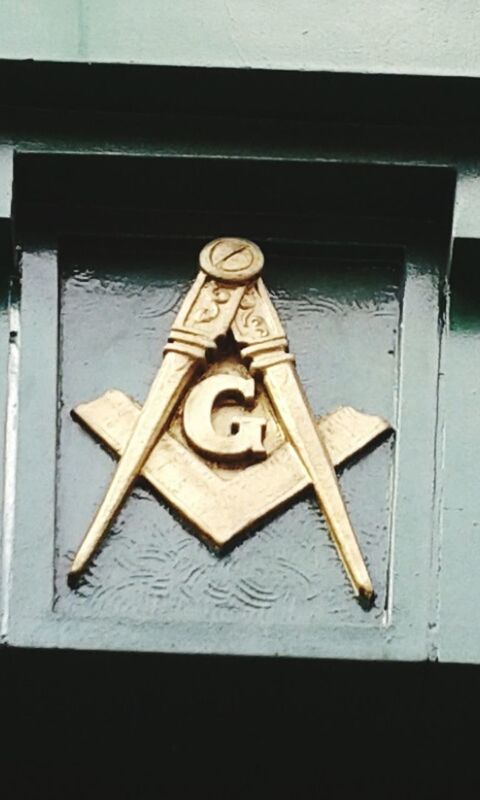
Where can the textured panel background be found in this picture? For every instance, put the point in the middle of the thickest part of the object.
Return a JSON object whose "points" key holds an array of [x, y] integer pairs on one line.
{"points": [[116, 308]]}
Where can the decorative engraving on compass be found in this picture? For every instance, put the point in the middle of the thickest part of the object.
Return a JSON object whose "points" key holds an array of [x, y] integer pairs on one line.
{"points": [[229, 439]]}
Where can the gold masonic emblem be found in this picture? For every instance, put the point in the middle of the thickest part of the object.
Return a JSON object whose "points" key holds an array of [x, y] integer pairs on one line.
{"points": [[226, 434]]}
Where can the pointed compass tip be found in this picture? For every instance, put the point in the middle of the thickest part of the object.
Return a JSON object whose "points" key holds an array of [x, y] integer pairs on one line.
{"points": [[366, 595], [78, 566], [74, 572], [73, 578]]}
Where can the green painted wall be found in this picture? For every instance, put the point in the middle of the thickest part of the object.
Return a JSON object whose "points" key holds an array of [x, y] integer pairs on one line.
{"points": [[94, 141], [410, 37], [75, 153], [337, 224]]}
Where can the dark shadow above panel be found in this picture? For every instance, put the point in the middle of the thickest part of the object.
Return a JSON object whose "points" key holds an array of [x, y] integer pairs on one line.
{"points": [[291, 192], [284, 94]]}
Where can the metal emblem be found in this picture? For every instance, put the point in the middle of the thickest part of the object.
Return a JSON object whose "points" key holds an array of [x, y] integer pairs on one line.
{"points": [[226, 434]]}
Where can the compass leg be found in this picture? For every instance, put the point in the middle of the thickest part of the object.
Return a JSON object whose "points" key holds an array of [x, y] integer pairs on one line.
{"points": [[173, 377], [291, 405], [206, 314]]}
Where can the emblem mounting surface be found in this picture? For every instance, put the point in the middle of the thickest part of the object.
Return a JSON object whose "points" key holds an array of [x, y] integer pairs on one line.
{"points": [[228, 442]]}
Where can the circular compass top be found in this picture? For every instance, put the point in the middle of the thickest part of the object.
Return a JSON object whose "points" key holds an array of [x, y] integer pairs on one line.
{"points": [[232, 260]]}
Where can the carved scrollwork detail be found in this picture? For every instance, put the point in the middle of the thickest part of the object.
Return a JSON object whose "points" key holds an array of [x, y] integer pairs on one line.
{"points": [[250, 323], [215, 296]]}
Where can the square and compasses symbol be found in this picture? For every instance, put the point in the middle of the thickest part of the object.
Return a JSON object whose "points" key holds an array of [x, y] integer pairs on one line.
{"points": [[226, 434]]}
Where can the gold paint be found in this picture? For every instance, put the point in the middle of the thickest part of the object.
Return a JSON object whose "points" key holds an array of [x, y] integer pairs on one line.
{"points": [[168, 439], [206, 313], [197, 489], [245, 434], [230, 259]]}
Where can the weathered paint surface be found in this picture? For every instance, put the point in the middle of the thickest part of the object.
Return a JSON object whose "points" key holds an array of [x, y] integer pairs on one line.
{"points": [[459, 567], [406, 37], [6, 334]]}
